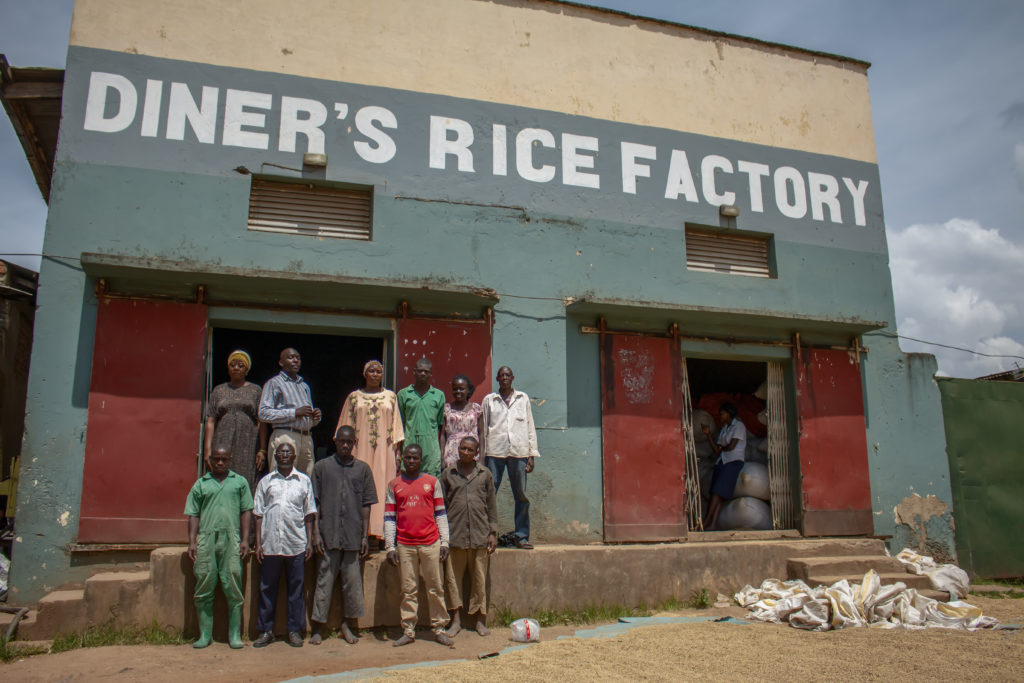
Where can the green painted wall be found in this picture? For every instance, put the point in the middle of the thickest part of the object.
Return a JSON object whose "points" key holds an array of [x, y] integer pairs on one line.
{"points": [[134, 199], [984, 433]]}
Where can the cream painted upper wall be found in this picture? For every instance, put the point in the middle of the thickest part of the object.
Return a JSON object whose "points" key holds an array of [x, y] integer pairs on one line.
{"points": [[535, 54]]}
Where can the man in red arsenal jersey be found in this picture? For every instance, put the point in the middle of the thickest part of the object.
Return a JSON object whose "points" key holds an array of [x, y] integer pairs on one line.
{"points": [[416, 541]]}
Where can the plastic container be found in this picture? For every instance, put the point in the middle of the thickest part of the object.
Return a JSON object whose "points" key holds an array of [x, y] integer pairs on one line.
{"points": [[525, 631]]}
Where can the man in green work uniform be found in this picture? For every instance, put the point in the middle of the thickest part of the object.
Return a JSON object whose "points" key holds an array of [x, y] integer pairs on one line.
{"points": [[219, 509], [422, 409]]}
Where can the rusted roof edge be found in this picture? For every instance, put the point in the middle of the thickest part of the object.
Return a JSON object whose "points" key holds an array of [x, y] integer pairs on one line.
{"points": [[98, 264], [589, 305], [40, 160]]}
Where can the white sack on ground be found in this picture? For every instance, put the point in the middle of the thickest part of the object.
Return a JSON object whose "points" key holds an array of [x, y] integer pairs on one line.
{"points": [[944, 577], [745, 513], [868, 603]]}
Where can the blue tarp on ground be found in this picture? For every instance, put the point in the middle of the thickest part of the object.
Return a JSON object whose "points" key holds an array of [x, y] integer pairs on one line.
{"points": [[603, 631]]}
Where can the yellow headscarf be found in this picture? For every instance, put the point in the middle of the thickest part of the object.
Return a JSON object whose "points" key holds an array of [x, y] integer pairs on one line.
{"points": [[370, 364], [242, 356]]}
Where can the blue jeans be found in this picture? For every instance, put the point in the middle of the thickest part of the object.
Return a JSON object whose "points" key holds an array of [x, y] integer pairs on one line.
{"points": [[270, 574], [517, 479]]}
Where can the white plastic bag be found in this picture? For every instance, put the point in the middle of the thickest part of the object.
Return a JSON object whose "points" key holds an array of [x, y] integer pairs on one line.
{"points": [[525, 631], [944, 577]]}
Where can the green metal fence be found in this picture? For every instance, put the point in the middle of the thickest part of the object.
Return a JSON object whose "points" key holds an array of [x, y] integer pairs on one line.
{"points": [[985, 444]]}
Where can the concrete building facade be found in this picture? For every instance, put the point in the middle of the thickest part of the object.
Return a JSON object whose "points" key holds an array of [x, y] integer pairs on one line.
{"points": [[534, 177]]}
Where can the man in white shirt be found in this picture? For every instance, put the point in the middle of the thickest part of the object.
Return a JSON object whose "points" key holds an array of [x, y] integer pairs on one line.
{"points": [[285, 513], [510, 443]]}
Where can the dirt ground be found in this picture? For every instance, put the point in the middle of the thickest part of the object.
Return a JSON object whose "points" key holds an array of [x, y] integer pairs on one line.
{"points": [[668, 652]]}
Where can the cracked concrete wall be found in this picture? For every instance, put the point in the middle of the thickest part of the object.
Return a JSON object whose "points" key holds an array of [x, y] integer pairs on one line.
{"points": [[910, 487]]}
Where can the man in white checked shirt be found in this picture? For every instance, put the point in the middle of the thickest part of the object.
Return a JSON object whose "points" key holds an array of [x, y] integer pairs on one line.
{"points": [[287, 405]]}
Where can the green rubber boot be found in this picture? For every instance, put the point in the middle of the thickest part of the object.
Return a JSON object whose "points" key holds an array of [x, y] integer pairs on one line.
{"points": [[205, 614], [235, 628]]}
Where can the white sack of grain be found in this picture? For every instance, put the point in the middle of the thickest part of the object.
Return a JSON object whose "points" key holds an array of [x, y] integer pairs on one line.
{"points": [[753, 482], [745, 513]]}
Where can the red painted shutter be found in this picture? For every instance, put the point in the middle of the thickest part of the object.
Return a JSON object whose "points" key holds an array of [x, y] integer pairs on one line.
{"points": [[145, 404], [452, 347], [835, 481], [642, 439]]}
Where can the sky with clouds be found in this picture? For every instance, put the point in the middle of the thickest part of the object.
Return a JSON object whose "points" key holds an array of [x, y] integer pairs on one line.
{"points": [[947, 93]]}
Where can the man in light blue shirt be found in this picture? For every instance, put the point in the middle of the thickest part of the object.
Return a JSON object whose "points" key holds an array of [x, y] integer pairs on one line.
{"points": [[287, 405]]}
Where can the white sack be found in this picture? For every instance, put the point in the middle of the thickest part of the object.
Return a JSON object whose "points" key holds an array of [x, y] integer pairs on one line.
{"points": [[866, 604], [944, 577], [753, 481]]}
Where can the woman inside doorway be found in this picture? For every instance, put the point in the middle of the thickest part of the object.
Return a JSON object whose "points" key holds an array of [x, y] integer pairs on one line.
{"points": [[730, 447], [373, 413], [231, 420]]}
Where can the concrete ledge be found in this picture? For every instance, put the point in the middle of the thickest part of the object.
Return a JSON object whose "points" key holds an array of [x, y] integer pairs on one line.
{"points": [[551, 577], [556, 577]]}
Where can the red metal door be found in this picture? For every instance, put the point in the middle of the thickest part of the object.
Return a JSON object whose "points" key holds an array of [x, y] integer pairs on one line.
{"points": [[145, 404], [453, 348], [835, 481], [642, 435]]}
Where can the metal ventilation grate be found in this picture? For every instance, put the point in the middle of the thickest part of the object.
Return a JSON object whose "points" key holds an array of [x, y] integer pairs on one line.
{"points": [[714, 252], [297, 209]]}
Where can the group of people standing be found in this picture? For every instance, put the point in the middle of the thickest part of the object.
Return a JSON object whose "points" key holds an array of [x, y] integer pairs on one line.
{"points": [[407, 475]]}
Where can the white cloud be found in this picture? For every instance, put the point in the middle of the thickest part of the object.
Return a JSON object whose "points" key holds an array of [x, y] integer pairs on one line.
{"points": [[959, 284]]}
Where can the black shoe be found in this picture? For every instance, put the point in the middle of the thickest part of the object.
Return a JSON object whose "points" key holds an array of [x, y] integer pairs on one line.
{"points": [[294, 639], [266, 638]]}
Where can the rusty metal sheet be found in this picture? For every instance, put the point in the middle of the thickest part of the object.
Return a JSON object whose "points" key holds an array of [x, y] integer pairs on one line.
{"points": [[642, 438], [453, 348], [145, 403], [835, 480]]}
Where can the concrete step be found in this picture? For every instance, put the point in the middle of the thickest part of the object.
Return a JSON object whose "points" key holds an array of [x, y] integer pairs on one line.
{"points": [[27, 621], [848, 565], [110, 595], [58, 612], [941, 596], [921, 583]]}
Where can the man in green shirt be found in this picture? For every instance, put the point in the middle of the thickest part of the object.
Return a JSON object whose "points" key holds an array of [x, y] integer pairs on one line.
{"points": [[219, 509], [422, 409]]}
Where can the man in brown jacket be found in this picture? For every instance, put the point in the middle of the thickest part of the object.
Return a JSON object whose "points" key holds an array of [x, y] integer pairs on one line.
{"points": [[473, 526]]}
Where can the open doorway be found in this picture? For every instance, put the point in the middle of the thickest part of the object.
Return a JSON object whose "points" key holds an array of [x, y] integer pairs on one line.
{"points": [[332, 365], [756, 389]]}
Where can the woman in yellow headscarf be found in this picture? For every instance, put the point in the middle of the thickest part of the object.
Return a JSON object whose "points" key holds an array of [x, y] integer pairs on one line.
{"points": [[231, 420]]}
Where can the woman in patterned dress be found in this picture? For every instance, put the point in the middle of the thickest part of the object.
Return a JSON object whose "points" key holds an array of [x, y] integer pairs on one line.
{"points": [[231, 420], [461, 419], [373, 413]]}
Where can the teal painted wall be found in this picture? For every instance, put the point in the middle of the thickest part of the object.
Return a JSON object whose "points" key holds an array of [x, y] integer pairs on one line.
{"points": [[907, 449], [129, 200]]}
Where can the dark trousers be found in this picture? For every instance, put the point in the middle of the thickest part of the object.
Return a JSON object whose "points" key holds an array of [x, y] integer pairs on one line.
{"points": [[270, 575], [517, 479]]}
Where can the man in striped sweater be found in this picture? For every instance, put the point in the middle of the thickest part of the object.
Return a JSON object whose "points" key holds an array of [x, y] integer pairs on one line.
{"points": [[416, 541]]}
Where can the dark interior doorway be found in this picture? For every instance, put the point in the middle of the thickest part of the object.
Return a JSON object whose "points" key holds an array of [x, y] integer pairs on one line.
{"points": [[332, 365], [712, 376]]}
